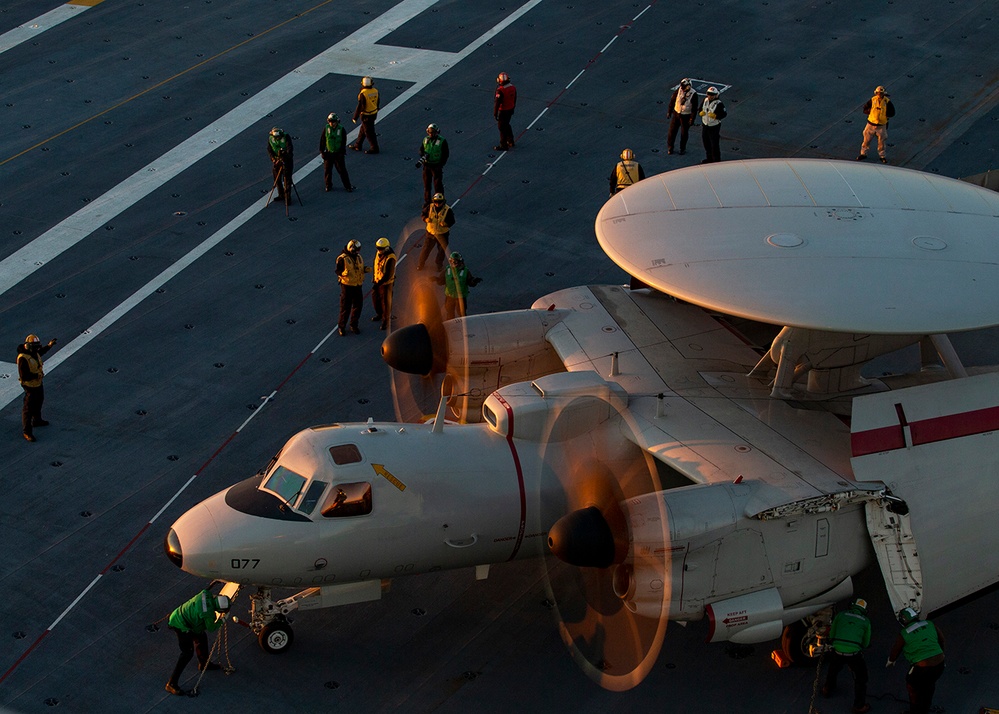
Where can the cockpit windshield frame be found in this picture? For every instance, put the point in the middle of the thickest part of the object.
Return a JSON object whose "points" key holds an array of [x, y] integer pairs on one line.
{"points": [[286, 484]]}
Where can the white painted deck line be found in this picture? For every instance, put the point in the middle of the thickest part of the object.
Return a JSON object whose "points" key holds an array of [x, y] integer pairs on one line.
{"points": [[33, 28]]}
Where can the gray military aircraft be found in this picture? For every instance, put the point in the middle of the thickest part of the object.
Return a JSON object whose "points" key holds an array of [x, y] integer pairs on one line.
{"points": [[636, 436]]}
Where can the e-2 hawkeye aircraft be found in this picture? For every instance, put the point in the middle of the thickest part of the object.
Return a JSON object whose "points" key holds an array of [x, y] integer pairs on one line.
{"points": [[634, 434]]}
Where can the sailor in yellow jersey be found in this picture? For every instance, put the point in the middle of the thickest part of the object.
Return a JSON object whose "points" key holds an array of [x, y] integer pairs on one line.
{"points": [[350, 270], [383, 280], [878, 110], [626, 172], [367, 112], [29, 374]]}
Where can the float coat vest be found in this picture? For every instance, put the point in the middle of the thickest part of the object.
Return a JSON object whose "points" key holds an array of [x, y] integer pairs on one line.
{"points": [[436, 220], [279, 144], [506, 98], [369, 97], [850, 632], [709, 107], [921, 641], [452, 288], [336, 138], [627, 173], [197, 615], [684, 102], [432, 149], [384, 263], [353, 269], [34, 363], [879, 110]]}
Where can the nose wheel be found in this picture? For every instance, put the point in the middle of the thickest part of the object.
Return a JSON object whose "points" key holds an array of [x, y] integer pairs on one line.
{"points": [[276, 637]]}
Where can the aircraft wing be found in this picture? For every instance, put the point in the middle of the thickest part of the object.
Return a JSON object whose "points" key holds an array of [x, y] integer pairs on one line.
{"points": [[695, 408], [936, 446]]}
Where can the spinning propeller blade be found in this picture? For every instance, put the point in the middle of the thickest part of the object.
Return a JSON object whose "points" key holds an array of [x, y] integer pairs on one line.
{"points": [[608, 562], [417, 348]]}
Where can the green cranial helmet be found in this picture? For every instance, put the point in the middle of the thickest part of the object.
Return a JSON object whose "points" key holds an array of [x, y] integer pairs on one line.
{"points": [[907, 615]]}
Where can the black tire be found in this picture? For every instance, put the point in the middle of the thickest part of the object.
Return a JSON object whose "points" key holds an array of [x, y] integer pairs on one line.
{"points": [[793, 644], [276, 637]]}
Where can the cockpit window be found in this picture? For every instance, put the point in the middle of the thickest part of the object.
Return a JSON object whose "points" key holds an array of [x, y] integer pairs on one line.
{"points": [[345, 454], [348, 499], [285, 484], [311, 497]]}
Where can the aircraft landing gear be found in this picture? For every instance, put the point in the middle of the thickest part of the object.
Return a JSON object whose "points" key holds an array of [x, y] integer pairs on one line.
{"points": [[276, 637], [802, 642], [269, 617], [269, 620]]}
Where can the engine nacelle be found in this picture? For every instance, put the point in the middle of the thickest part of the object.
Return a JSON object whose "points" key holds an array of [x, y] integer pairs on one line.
{"points": [[643, 583], [553, 408], [486, 352]]}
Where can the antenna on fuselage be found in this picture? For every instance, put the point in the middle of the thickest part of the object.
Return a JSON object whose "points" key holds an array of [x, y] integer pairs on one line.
{"points": [[439, 418]]}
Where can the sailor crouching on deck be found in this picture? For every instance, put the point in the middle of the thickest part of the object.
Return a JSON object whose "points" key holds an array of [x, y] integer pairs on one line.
{"points": [[191, 621]]}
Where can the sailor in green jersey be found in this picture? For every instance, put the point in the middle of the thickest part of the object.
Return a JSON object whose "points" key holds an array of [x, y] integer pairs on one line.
{"points": [[333, 148], [433, 155], [456, 279], [850, 635], [191, 621], [922, 643], [282, 153]]}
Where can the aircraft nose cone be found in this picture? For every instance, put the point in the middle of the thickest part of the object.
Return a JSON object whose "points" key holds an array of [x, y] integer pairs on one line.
{"points": [[409, 349], [583, 538], [193, 543], [171, 545]]}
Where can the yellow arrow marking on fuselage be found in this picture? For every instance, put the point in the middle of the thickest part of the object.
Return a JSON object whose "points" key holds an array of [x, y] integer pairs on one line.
{"points": [[382, 471]]}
